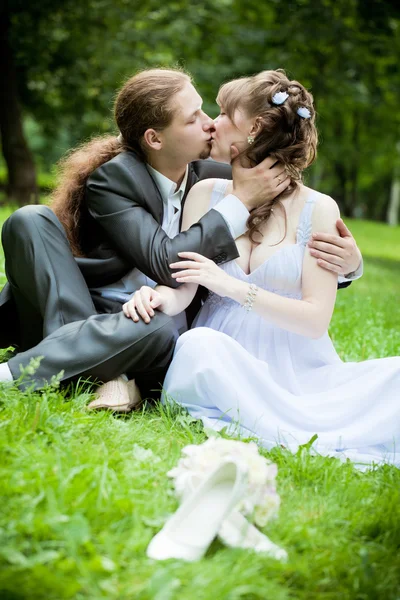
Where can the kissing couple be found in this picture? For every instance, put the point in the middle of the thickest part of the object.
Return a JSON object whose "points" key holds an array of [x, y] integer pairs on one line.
{"points": [[106, 282]]}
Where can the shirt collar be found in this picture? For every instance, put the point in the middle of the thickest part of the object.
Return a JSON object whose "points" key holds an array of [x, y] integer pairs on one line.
{"points": [[166, 186]]}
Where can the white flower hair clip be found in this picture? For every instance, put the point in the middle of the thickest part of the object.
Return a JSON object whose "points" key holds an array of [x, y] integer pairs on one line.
{"points": [[279, 98], [303, 112]]}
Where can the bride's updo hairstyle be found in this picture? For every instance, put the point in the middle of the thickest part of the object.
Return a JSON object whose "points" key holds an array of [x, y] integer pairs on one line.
{"points": [[283, 134]]}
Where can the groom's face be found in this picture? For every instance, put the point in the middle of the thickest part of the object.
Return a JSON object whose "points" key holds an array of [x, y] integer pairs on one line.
{"points": [[188, 137]]}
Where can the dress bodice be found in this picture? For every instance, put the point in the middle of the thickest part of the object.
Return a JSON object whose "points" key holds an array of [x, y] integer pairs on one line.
{"points": [[281, 272]]}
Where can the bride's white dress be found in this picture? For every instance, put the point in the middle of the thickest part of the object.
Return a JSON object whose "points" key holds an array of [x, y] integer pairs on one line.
{"points": [[235, 370]]}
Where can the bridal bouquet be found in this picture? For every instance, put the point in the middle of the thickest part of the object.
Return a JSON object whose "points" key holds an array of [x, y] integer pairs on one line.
{"points": [[262, 501]]}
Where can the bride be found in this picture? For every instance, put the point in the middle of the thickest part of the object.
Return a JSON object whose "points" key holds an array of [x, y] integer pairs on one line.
{"points": [[259, 360]]}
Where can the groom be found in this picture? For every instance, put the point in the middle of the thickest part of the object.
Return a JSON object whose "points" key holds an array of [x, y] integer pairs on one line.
{"points": [[129, 218]]}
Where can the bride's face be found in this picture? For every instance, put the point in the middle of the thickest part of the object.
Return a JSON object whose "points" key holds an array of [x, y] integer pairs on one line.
{"points": [[229, 131]]}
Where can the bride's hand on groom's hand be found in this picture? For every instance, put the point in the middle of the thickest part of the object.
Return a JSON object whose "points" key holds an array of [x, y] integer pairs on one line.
{"points": [[254, 186], [336, 253], [142, 303], [202, 271]]}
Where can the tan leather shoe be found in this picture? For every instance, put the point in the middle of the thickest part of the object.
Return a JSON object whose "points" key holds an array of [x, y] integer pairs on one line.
{"points": [[118, 395]]}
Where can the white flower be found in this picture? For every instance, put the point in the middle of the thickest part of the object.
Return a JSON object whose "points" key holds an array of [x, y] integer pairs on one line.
{"points": [[261, 502], [279, 97], [144, 454], [267, 510], [303, 112]]}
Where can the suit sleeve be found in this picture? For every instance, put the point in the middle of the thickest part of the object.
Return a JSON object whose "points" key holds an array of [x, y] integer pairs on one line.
{"points": [[117, 202]]}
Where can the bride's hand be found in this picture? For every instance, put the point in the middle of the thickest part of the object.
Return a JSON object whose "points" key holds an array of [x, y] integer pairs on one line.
{"points": [[202, 271], [144, 301]]}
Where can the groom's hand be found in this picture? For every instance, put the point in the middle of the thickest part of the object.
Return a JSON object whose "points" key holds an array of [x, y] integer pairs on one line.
{"points": [[254, 186], [337, 253]]}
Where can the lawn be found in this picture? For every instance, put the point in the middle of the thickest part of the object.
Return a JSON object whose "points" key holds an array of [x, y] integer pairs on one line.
{"points": [[82, 494]]}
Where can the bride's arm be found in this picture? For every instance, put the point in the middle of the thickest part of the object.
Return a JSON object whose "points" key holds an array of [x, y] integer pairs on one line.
{"points": [[309, 316]]}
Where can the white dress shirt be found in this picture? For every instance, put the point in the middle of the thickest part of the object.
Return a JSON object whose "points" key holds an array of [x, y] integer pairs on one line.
{"points": [[354, 275]]}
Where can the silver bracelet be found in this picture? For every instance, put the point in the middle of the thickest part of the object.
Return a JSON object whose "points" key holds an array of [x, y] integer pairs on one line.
{"points": [[251, 296]]}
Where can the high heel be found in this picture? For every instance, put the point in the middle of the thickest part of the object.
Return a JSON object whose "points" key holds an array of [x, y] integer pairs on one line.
{"points": [[190, 531], [237, 532]]}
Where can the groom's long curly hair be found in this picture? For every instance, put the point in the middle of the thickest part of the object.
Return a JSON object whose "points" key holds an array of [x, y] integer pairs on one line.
{"points": [[283, 134], [145, 101]]}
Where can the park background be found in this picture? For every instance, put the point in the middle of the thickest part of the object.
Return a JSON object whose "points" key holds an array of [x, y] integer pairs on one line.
{"points": [[83, 494], [62, 60]]}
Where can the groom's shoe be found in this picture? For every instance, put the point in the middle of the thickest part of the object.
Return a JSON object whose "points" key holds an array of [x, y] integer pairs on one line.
{"points": [[118, 396]]}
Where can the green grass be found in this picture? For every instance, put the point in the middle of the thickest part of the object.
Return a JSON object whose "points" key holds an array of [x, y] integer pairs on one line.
{"points": [[82, 494]]}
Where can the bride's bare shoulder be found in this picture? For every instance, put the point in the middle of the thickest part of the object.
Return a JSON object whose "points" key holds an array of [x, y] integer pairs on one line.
{"points": [[325, 214], [198, 202], [326, 205], [207, 185], [201, 192]]}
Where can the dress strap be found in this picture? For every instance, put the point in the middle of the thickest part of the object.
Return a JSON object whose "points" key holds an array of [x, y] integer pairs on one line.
{"points": [[218, 191], [304, 226]]}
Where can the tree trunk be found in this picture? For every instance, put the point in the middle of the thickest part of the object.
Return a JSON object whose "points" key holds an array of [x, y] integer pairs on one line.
{"points": [[341, 190], [354, 208], [394, 202], [316, 175], [393, 211], [339, 168], [21, 185]]}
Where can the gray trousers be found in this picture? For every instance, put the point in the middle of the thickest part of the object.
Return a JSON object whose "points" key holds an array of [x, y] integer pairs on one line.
{"points": [[58, 319]]}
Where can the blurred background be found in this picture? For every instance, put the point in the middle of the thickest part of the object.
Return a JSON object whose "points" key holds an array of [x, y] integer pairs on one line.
{"points": [[62, 60]]}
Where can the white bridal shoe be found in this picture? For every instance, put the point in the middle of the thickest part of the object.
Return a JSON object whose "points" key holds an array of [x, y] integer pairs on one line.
{"points": [[190, 531], [237, 532], [118, 395]]}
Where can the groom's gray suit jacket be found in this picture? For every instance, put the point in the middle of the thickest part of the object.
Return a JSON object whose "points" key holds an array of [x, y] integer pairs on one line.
{"points": [[121, 229]]}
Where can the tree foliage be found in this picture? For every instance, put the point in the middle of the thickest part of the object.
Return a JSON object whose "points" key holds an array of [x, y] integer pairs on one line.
{"points": [[71, 57]]}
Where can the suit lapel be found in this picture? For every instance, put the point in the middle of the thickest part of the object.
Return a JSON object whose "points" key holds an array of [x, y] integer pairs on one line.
{"points": [[151, 194], [191, 180]]}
